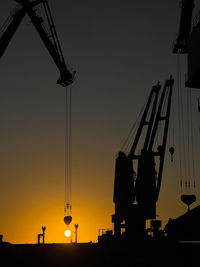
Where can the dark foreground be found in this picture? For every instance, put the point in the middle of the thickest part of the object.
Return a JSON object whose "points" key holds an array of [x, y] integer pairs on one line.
{"points": [[152, 254]]}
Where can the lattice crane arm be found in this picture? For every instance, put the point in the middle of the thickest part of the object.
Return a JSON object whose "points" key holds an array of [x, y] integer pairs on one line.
{"points": [[152, 101], [166, 94], [9, 28], [50, 39], [156, 116]]}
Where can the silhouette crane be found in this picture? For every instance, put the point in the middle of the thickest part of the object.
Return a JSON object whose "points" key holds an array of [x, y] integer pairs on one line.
{"points": [[49, 38], [136, 194]]}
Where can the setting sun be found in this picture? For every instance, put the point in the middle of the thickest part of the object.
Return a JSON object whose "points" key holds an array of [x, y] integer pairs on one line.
{"points": [[67, 233]]}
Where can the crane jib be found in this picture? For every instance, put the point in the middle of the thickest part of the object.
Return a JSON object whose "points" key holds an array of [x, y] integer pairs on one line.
{"points": [[50, 38]]}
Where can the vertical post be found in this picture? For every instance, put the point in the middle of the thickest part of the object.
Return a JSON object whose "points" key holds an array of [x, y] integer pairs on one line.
{"points": [[76, 229], [43, 230], [38, 239]]}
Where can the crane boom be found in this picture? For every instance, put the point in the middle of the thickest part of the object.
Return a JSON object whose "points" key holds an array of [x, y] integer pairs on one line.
{"points": [[167, 92], [12, 23], [153, 95], [7, 35], [50, 39], [54, 48]]}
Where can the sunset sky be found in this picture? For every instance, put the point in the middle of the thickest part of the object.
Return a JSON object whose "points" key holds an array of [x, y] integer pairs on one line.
{"points": [[119, 49]]}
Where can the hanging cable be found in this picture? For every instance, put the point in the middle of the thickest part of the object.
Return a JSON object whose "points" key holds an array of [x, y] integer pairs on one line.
{"points": [[173, 125], [182, 127], [132, 131], [192, 142], [188, 139], [182, 144], [70, 147], [68, 150], [179, 121], [171, 135], [66, 153]]}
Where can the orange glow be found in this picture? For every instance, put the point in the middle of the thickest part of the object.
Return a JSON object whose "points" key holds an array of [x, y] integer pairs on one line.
{"points": [[67, 233], [34, 198]]}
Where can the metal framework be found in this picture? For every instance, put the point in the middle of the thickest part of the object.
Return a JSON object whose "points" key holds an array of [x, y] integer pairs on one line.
{"points": [[50, 37]]}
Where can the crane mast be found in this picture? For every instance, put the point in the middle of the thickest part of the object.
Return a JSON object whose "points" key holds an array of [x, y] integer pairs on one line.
{"points": [[136, 194]]}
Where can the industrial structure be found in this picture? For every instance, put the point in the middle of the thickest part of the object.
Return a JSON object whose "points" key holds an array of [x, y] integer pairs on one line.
{"points": [[186, 226], [49, 38], [136, 192], [42, 236], [188, 42], [138, 173], [48, 34], [137, 185]]}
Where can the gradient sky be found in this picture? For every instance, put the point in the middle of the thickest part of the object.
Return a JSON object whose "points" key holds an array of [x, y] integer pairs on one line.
{"points": [[119, 49]]}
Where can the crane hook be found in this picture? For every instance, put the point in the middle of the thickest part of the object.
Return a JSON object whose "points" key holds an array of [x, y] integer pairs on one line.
{"points": [[171, 151]]}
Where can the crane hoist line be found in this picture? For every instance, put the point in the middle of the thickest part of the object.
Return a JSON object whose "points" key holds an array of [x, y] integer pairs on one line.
{"points": [[48, 34], [68, 154]]}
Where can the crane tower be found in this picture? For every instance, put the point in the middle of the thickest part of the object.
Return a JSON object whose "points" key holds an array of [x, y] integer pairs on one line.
{"points": [[136, 192]]}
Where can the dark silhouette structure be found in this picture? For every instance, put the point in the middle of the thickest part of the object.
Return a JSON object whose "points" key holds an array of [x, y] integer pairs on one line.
{"points": [[181, 44], [185, 227], [188, 200], [42, 235], [136, 193], [50, 37], [76, 233], [67, 220], [188, 42], [95, 255]]}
